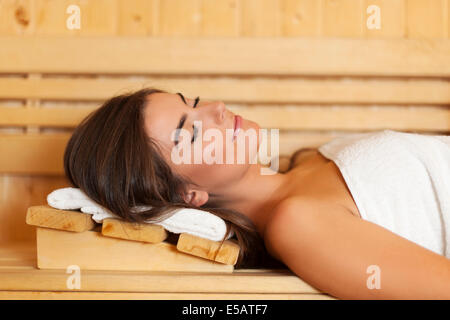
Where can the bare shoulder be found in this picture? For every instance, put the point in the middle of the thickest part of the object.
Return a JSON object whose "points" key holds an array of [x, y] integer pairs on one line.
{"points": [[331, 249], [297, 215]]}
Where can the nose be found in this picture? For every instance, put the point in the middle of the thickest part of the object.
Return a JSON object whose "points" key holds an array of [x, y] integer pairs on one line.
{"points": [[217, 110]]}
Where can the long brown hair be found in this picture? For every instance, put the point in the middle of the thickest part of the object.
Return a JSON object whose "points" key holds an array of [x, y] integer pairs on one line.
{"points": [[111, 158]]}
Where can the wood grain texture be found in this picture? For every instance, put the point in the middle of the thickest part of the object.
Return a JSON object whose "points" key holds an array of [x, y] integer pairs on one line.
{"points": [[245, 56], [226, 253], [67, 295], [19, 277], [48, 217], [90, 250], [232, 90], [150, 233]]}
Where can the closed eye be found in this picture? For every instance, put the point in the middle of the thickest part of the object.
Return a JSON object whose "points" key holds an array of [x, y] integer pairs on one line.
{"points": [[195, 130]]}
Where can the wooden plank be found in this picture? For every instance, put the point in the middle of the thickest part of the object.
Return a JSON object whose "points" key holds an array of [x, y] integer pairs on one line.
{"points": [[342, 18], [50, 117], [63, 295], [49, 149], [163, 282], [261, 281], [426, 19], [48, 217], [16, 17], [260, 18], [306, 56], [220, 18], [136, 17], [392, 18], [238, 90], [227, 253], [300, 17], [179, 18], [33, 154], [98, 17], [91, 251], [38, 295], [353, 117], [17, 194], [116, 228]]}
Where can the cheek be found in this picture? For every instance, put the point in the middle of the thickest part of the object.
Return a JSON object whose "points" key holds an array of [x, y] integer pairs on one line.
{"points": [[246, 144]]}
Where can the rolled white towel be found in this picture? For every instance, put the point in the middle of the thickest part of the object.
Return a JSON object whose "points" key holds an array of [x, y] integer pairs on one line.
{"points": [[193, 221]]}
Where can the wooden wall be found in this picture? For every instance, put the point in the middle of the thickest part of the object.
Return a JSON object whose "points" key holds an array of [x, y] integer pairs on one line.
{"points": [[400, 19], [234, 18]]}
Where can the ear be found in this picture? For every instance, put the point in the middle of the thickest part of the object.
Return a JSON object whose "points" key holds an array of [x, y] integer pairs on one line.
{"points": [[196, 197]]}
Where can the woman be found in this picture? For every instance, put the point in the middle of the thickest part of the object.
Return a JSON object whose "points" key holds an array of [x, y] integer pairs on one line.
{"points": [[122, 156]]}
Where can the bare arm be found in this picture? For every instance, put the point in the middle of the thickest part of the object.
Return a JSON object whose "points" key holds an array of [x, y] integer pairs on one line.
{"points": [[331, 249]]}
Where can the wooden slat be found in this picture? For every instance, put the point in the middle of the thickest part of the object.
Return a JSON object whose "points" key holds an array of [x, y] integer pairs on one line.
{"points": [[42, 154], [116, 228], [260, 18], [62, 295], [169, 282], [301, 18], [343, 18], [386, 91], [421, 118], [276, 56], [226, 253], [240, 282], [179, 18], [392, 18], [33, 153], [48, 217], [426, 19], [90, 250]]}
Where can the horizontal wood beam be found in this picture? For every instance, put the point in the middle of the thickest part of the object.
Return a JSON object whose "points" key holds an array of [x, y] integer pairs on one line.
{"points": [[271, 56], [379, 91], [84, 295], [42, 154], [420, 118]]}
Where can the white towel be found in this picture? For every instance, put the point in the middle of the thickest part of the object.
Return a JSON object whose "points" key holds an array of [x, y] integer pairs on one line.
{"points": [[400, 181], [196, 222]]}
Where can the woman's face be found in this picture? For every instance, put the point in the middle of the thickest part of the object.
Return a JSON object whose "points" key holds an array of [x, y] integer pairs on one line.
{"points": [[165, 112]]}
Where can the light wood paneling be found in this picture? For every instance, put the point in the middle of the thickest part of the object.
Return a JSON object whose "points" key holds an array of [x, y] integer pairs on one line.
{"points": [[220, 18], [304, 117], [301, 17], [179, 18], [253, 18], [17, 194], [138, 17], [260, 18], [343, 18], [99, 17], [17, 17], [392, 19], [235, 90], [19, 277], [90, 250], [237, 56], [63, 295], [426, 19]]}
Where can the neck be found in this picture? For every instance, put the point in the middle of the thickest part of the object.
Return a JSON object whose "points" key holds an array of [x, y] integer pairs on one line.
{"points": [[255, 195]]}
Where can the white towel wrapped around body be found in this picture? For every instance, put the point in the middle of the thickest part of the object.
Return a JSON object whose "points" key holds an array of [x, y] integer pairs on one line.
{"points": [[196, 222], [400, 181]]}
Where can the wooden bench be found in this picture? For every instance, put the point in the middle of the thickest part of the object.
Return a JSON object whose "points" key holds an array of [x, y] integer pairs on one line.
{"points": [[313, 90]]}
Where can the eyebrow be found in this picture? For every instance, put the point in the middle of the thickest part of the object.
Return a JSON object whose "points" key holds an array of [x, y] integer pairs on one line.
{"points": [[182, 121]]}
